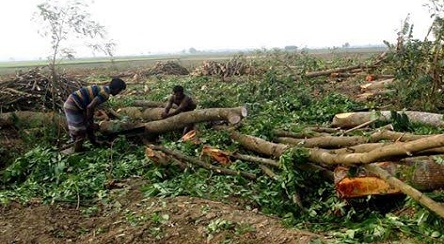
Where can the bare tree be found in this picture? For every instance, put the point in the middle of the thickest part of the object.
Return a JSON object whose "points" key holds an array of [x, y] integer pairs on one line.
{"points": [[63, 22]]}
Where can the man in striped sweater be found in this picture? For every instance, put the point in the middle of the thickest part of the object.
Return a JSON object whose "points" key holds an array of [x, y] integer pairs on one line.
{"points": [[80, 106]]}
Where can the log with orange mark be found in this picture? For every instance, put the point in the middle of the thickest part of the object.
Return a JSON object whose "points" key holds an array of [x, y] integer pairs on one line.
{"points": [[363, 184], [216, 154]]}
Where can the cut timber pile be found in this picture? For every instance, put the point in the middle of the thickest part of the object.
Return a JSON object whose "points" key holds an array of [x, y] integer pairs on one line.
{"points": [[384, 162], [233, 67], [375, 88], [167, 68], [32, 91], [347, 71]]}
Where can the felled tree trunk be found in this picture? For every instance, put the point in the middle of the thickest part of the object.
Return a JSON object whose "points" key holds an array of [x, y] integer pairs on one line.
{"points": [[232, 115], [436, 207], [264, 147], [400, 149], [376, 85], [219, 170], [151, 114], [423, 173], [150, 104], [347, 141], [371, 94], [348, 120]]}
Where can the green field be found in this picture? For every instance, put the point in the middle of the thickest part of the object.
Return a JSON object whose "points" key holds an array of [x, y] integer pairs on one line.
{"points": [[188, 61]]}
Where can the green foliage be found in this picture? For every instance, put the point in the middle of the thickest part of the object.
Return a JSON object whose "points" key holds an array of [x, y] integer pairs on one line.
{"points": [[418, 64], [401, 122], [45, 173], [323, 111]]}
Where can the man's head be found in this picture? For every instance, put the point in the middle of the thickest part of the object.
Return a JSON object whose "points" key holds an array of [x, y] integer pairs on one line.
{"points": [[178, 91], [116, 86]]}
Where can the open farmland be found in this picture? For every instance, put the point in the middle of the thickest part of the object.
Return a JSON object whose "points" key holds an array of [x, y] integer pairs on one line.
{"points": [[159, 187]]}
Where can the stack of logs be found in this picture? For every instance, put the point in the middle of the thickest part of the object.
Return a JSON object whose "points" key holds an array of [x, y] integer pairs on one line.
{"points": [[233, 67]]}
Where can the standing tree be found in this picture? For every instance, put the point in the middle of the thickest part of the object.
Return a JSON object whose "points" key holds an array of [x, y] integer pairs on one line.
{"points": [[63, 22]]}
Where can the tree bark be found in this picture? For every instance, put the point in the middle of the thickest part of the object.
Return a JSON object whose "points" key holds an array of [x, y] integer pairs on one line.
{"points": [[348, 120], [423, 173], [322, 156], [399, 149], [259, 145], [150, 104], [179, 121], [303, 134], [264, 147], [347, 141]]}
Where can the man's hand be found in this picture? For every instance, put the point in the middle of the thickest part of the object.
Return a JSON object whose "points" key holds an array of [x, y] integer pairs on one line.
{"points": [[164, 115], [94, 126]]}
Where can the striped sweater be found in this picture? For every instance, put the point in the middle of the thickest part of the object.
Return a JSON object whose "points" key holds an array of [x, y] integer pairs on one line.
{"points": [[85, 95]]}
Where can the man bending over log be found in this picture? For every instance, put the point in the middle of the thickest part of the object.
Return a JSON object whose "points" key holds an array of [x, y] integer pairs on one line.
{"points": [[79, 110], [185, 103]]}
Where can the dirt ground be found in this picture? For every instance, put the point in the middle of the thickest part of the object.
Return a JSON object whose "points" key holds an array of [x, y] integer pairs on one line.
{"points": [[132, 218]]}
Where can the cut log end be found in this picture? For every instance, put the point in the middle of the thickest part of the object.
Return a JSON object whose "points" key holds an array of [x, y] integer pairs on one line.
{"points": [[343, 115], [234, 119], [244, 111]]}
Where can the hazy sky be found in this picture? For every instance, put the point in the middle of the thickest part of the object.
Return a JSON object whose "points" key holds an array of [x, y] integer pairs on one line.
{"points": [[150, 26]]}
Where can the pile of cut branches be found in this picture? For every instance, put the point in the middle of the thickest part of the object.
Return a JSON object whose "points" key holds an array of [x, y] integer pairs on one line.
{"points": [[167, 68], [34, 91]]}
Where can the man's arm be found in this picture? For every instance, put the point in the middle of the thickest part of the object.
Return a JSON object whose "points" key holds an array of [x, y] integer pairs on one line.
{"points": [[90, 109], [91, 127], [182, 106], [168, 107]]}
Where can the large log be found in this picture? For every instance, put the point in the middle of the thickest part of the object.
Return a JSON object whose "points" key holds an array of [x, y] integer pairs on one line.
{"points": [[307, 133], [376, 85], [436, 207], [322, 156], [150, 104], [232, 115], [372, 94], [361, 183], [423, 173], [347, 141], [399, 149], [348, 120]]}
